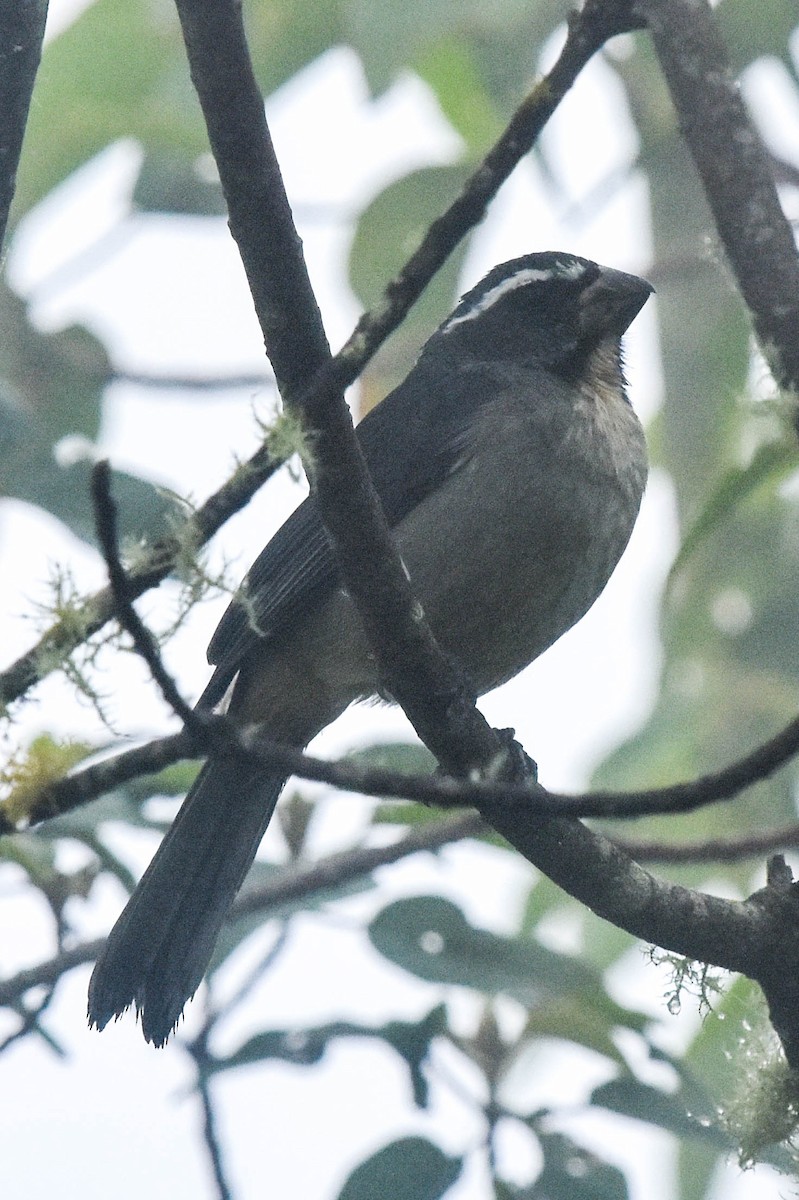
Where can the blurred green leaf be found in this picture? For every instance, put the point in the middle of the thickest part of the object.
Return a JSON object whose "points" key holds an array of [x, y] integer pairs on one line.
{"points": [[573, 1173], [387, 36], [30, 469], [751, 29], [449, 67], [51, 381], [393, 225], [581, 1018], [120, 71], [174, 780], [169, 182], [685, 1115], [430, 937], [34, 856], [771, 464], [501, 41], [143, 512], [601, 943], [410, 757], [412, 1041], [409, 1169], [388, 231], [285, 36], [724, 1053], [306, 1047], [51, 388]]}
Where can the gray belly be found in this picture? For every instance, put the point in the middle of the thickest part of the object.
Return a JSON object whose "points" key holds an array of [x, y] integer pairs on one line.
{"points": [[529, 553]]}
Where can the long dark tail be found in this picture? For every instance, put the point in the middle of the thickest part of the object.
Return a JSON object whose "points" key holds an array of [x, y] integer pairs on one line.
{"points": [[159, 949]]}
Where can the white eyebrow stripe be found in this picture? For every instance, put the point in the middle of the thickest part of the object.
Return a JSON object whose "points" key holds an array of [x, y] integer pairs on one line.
{"points": [[520, 279]]}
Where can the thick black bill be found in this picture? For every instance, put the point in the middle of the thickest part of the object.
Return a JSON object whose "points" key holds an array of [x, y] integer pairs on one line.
{"points": [[611, 303]]}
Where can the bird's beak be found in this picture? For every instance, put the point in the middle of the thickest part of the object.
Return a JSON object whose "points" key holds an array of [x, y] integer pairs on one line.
{"points": [[611, 303]]}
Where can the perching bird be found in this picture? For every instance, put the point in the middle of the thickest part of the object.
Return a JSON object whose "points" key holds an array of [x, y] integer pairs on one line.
{"points": [[510, 466]]}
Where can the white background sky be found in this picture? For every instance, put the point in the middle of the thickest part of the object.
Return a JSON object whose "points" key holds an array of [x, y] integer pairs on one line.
{"points": [[116, 1110]]}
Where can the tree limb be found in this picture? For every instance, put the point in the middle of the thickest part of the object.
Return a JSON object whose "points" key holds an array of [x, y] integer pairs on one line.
{"points": [[21, 33], [526, 799], [736, 172]]}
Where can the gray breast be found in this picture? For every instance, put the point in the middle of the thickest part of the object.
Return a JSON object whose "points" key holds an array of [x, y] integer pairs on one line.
{"points": [[522, 538]]}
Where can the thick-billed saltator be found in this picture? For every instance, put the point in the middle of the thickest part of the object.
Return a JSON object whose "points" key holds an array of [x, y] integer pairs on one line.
{"points": [[510, 466]]}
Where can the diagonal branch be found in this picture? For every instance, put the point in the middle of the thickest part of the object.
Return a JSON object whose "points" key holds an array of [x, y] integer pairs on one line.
{"points": [[105, 519], [64, 636], [21, 34], [736, 172], [721, 849]]}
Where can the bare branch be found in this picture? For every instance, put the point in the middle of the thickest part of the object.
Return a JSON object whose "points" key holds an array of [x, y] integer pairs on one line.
{"points": [[105, 517], [48, 973], [736, 172], [21, 34], [527, 798], [198, 1050], [193, 383], [729, 849]]}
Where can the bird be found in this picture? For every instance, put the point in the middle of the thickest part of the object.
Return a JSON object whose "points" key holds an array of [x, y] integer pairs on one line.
{"points": [[510, 466]]}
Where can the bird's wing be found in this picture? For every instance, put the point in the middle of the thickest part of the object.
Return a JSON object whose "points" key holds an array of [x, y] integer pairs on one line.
{"points": [[411, 441]]}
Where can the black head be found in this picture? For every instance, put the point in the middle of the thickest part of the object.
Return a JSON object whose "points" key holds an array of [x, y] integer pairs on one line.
{"points": [[549, 309]]}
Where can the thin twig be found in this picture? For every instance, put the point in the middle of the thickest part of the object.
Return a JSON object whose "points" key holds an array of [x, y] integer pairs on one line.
{"points": [[48, 973], [198, 1049], [193, 383], [211, 1138], [105, 520], [29, 1021]]}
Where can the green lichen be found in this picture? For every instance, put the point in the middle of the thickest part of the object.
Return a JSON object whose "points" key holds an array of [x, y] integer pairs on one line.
{"points": [[29, 771], [763, 1109]]}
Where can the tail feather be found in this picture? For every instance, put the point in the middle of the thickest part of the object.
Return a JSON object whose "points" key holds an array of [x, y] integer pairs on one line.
{"points": [[159, 949]]}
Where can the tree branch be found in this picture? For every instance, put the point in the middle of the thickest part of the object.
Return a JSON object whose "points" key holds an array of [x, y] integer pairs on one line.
{"points": [[327, 874], [64, 636], [729, 849], [736, 172], [105, 519], [245, 381], [526, 798], [21, 34]]}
